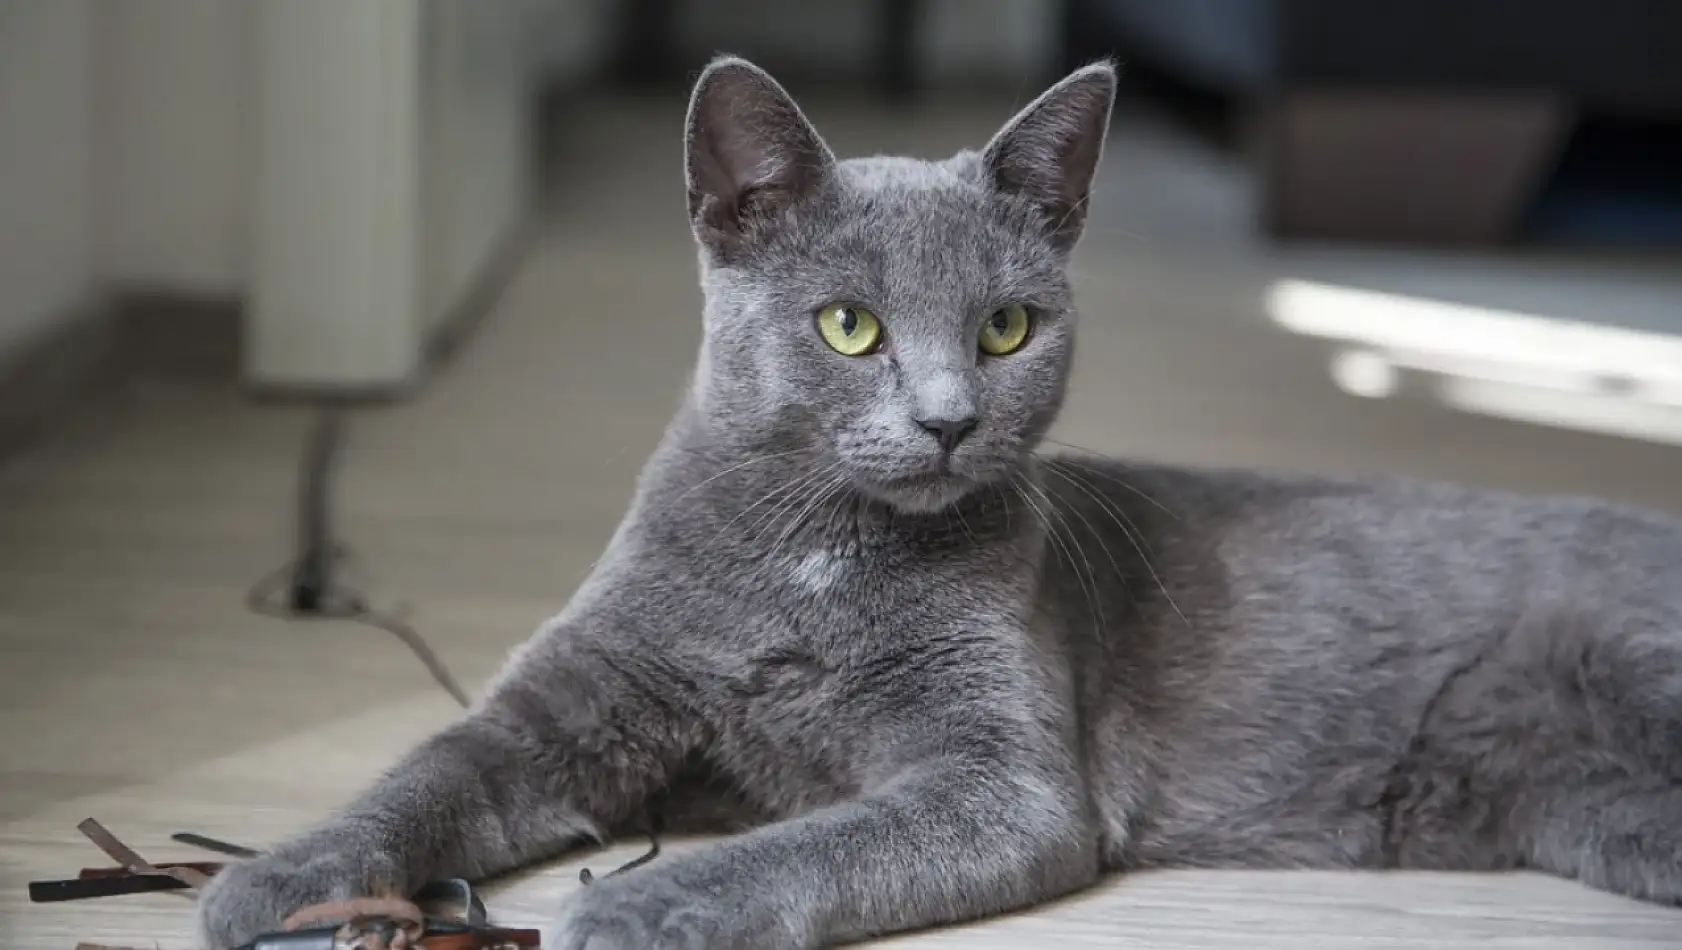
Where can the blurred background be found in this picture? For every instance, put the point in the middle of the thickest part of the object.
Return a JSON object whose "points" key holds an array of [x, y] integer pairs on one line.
{"points": [[1435, 238]]}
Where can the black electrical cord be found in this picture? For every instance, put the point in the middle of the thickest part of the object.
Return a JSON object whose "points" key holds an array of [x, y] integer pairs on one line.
{"points": [[312, 571], [655, 829], [305, 589]]}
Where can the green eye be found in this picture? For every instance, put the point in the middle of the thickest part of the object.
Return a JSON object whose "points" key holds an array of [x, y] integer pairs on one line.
{"points": [[850, 331], [1005, 330]]}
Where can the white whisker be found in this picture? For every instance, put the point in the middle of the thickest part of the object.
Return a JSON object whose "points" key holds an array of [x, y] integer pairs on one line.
{"points": [[1109, 476], [1127, 532], [1096, 534], [790, 499], [964, 524], [1096, 597], [775, 492], [734, 468], [1112, 508], [818, 500], [1052, 536]]}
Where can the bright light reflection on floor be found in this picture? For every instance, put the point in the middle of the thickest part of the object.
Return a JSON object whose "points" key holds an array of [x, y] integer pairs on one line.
{"points": [[1502, 363]]}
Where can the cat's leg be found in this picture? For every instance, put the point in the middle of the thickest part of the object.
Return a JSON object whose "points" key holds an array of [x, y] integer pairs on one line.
{"points": [[947, 840], [1616, 832], [1560, 750], [1606, 806], [547, 761]]}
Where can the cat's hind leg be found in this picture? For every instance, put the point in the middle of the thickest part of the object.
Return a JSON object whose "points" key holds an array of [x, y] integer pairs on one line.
{"points": [[1559, 750], [1605, 807], [1616, 832]]}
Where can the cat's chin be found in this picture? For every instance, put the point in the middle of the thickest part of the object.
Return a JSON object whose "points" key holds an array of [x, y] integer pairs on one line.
{"points": [[920, 494]]}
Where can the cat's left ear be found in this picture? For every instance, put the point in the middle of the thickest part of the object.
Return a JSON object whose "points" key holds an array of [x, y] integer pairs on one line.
{"points": [[749, 152], [1049, 152]]}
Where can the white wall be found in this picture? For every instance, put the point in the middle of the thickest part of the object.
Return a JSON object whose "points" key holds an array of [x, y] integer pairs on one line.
{"points": [[475, 143], [121, 153], [391, 159], [481, 62], [346, 169], [172, 171], [335, 283], [46, 133], [176, 114]]}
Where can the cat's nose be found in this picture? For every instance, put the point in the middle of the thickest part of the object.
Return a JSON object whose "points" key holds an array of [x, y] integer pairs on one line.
{"points": [[949, 431]]}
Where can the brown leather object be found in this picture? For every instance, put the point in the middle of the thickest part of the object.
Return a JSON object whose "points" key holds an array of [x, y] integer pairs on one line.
{"points": [[411, 922], [77, 889], [395, 909], [486, 938], [124, 855], [136, 876], [208, 868]]}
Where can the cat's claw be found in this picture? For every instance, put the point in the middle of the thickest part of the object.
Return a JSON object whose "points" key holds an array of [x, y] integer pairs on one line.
{"points": [[252, 898]]}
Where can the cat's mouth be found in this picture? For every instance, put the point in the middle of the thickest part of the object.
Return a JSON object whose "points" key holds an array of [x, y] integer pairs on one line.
{"points": [[921, 492]]}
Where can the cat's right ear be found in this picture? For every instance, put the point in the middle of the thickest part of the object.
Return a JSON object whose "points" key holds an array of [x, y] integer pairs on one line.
{"points": [[1049, 153], [748, 153]]}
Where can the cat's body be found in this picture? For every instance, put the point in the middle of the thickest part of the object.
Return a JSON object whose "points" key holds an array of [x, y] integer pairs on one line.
{"points": [[1257, 670], [932, 677]]}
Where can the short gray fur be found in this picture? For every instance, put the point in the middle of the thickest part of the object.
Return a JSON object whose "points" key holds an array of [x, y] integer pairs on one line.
{"points": [[926, 688]]}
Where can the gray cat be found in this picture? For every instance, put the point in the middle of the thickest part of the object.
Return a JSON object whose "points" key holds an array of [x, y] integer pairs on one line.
{"points": [[929, 676]]}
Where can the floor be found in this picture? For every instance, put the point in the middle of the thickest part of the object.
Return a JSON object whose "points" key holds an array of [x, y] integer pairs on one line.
{"points": [[137, 689]]}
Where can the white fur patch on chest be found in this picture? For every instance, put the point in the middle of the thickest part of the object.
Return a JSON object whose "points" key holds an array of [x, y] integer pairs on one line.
{"points": [[820, 570]]}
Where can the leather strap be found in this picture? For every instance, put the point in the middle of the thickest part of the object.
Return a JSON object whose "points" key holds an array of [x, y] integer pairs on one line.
{"points": [[214, 844], [404, 923], [86, 888], [490, 938], [203, 867], [124, 855]]}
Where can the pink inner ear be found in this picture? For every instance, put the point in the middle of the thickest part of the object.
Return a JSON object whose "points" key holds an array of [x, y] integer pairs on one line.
{"points": [[1049, 152], [762, 199], [751, 151]]}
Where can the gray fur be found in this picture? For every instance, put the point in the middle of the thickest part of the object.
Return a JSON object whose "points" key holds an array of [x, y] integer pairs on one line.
{"points": [[928, 689]]}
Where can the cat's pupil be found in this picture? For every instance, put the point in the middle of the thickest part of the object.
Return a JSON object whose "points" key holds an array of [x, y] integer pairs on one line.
{"points": [[849, 321], [1000, 322]]}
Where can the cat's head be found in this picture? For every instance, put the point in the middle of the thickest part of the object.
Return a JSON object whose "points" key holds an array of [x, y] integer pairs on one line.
{"points": [[908, 324]]}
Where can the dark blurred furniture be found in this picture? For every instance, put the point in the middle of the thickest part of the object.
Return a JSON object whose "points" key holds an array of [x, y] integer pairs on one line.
{"points": [[1428, 120], [648, 52]]}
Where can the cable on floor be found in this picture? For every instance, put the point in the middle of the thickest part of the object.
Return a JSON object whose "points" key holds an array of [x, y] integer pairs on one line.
{"points": [[344, 603], [307, 589]]}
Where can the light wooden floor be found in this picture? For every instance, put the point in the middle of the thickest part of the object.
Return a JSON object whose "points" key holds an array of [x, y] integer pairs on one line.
{"points": [[135, 688]]}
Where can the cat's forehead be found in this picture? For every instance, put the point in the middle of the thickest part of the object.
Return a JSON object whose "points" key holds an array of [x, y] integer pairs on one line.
{"points": [[887, 174], [908, 214], [909, 232], [910, 193]]}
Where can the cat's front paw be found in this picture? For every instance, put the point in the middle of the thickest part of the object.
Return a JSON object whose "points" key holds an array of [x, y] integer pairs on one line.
{"points": [[653, 910], [252, 898]]}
